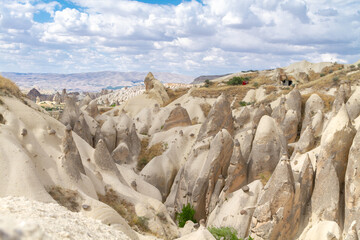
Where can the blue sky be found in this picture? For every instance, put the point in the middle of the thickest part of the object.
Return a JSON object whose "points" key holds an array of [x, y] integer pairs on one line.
{"points": [[189, 37]]}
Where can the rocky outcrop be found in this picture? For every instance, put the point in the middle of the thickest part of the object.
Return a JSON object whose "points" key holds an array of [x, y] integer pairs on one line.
{"points": [[108, 132], [306, 142], [273, 217], [82, 129], [70, 158], [312, 106], [70, 113], [92, 109], [237, 171], [219, 117], [237, 210], [196, 180], [326, 196], [155, 89], [57, 98], [178, 117], [352, 181], [268, 146], [353, 104], [33, 94]]}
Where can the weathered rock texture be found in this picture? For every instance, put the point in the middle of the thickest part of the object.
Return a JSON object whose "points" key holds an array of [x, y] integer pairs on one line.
{"points": [[178, 117]]}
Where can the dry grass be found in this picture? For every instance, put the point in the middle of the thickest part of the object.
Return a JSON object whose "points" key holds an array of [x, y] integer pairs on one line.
{"points": [[326, 81], [125, 209], [272, 97], [270, 89], [65, 197], [8, 87], [328, 100], [205, 107], [147, 154], [175, 94]]}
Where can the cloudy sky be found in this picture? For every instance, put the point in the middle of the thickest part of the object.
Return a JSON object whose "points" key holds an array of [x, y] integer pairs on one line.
{"points": [[187, 37]]}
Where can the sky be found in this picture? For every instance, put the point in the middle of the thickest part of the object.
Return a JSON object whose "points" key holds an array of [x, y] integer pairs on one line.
{"points": [[186, 37]]}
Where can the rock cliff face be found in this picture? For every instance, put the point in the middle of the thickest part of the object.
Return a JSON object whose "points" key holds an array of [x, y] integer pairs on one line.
{"points": [[283, 167]]}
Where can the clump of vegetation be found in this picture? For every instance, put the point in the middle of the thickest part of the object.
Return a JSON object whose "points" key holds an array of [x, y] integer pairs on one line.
{"points": [[322, 74], [335, 79], [225, 233], [113, 105], [352, 66], [256, 84], [8, 87], [147, 154], [187, 213], [125, 209], [243, 103], [237, 80], [207, 83], [205, 107], [65, 197], [359, 65]]}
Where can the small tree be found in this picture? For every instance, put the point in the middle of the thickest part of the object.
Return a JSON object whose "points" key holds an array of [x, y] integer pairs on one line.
{"points": [[237, 81], [352, 66], [187, 213]]}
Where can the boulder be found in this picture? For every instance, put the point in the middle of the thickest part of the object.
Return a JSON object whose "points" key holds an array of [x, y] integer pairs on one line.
{"points": [[178, 117], [219, 117], [268, 146]]}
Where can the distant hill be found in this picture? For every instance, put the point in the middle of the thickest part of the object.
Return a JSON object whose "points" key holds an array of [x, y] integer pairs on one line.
{"points": [[89, 82], [202, 79]]}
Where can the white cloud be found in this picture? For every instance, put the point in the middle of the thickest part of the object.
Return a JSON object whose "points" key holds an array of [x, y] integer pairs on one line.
{"points": [[216, 36]]}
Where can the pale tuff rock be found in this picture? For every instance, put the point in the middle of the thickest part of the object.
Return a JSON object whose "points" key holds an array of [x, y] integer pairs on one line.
{"points": [[312, 106], [328, 230], [71, 160], [293, 102], [178, 117], [336, 141], [340, 99], [353, 104], [202, 233], [155, 89], [301, 77], [237, 210], [273, 217], [259, 113], [279, 76], [70, 113], [105, 162], [268, 145], [92, 109], [305, 143], [196, 180], [126, 133], [289, 126], [85, 101], [317, 123], [243, 117], [82, 129], [108, 132], [57, 98], [352, 233], [237, 171], [352, 181], [121, 153], [219, 117], [326, 196], [245, 138]]}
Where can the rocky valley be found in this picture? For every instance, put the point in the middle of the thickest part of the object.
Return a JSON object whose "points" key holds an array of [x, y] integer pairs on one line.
{"points": [[270, 154]]}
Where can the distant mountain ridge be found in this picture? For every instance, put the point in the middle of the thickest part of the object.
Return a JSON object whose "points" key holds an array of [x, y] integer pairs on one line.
{"points": [[202, 79], [89, 82]]}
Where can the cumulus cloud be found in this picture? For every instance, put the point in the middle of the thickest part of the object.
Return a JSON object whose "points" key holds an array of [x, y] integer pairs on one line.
{"points": [[208, 37]]}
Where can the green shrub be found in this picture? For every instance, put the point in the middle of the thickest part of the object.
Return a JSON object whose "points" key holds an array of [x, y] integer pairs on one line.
{"points": [[331, 71], [113, 105], [225, 233], [243, 103], [237, 81], [256, 84], [187, 213], [352, 66], [322, 74], [335, 79], [207, 83], [359, 65]]}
